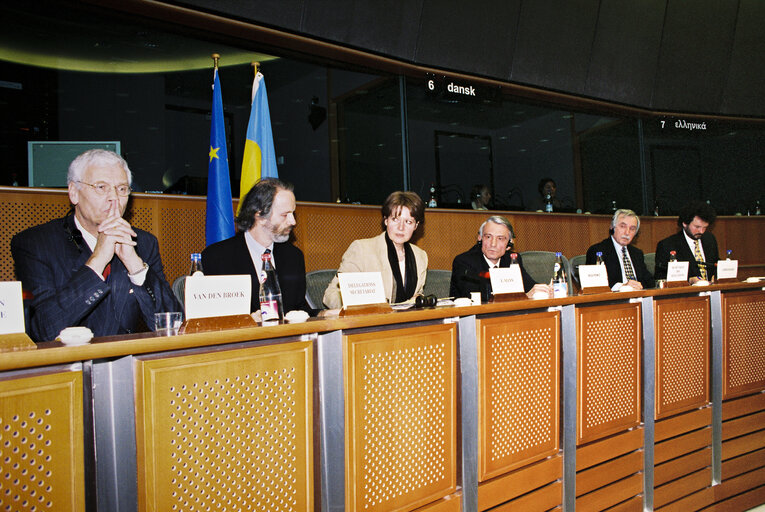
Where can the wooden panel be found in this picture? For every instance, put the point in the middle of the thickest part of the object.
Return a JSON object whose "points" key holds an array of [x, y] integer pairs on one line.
{"points": [[600, 451], [744, 425], [41, 443], [681, 445], [225, 430], [400, 417], [610, 495], [599, 476], [732, 486], [744, 501], [743, 406], [743, 342], [324, 230], [452, 503], [682, 487], [608, 370], [695, 501], [519, 482], [546, 498], [634, 504], [743, 463], [682, 354], [683, 423], [519, 383], [743, 444], [682, 466]]}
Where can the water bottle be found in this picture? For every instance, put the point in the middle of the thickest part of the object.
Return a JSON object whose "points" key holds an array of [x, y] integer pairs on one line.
{"points": [[599, 258], [672, 255], [513, 258], [196, 264], [548, 203], [757, 209], [271, 309], [729, 253], [432, 203], [560, 285]]}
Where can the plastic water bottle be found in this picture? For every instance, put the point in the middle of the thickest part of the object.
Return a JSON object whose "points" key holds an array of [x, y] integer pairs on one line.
{"points": [[548, 203], [271, 308], [513, 258], [432, 203], [196, 264], [560, 285], [672, 255], [728, 253], [599, 258]]}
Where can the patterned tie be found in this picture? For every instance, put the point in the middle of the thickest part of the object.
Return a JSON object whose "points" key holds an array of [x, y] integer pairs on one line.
{"points": [[700, 260], [627, 266]]}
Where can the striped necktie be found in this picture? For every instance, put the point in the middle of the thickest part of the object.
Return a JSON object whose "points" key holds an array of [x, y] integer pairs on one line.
{"points": [[700, 260], [628, 271]]}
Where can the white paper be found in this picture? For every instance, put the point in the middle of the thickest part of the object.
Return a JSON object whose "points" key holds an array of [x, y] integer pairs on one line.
{"points": [[506, 280], [677, 271], [727, 269], [361, 288], [209, 296], [593, 275], [11, 308]]}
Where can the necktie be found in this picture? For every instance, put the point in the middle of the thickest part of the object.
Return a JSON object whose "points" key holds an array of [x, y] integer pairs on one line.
{"points": [[107, 270], [700, 260], [628, 271]]}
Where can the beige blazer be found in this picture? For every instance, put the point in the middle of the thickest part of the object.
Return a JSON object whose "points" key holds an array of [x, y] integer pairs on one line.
{"points": [[370, 255]]}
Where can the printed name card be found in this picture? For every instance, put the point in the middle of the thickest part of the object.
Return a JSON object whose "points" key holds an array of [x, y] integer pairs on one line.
{"points": [[593, 276], [727, 269], [506, 280], [11, 308], [361, 288], [209, 296], [677, 271]]}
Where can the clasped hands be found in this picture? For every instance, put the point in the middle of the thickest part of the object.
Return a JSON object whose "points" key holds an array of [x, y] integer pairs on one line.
{"points": [[115, 237]]}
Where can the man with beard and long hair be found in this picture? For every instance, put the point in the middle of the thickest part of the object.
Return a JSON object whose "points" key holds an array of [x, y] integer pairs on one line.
{"points": [[692, 244], [265, 221]]}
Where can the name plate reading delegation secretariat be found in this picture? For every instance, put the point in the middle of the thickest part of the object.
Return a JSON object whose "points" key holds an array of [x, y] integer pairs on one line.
{"points": [[361, 288], [677, 271], [11, 308], [727, 269], [209, 296], [506, 280], [592, 276]]}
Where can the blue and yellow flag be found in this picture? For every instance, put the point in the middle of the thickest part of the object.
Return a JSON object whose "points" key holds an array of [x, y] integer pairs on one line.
{"points": [[220, 209], [259, 155]]}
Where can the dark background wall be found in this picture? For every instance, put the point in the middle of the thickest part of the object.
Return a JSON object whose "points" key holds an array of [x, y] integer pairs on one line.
{"points": [[701, 56]]}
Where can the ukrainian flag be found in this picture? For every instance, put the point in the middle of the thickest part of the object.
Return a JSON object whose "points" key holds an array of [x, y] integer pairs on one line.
{"points": [[259, 155], [220, 210]]}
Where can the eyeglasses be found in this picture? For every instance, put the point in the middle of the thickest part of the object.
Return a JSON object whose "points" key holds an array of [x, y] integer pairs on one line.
{"points": [[102, 188]]}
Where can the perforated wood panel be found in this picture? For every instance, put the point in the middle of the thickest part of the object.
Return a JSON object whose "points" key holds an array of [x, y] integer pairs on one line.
{"points": [[228, 430], [519, 377], [743, 342], [41, 443], [183, 232], [682, 354], [400, 417], [608, 370]]}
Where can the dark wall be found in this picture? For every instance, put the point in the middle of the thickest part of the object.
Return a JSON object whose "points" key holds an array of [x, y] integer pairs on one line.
{"points": [[700, 56]]}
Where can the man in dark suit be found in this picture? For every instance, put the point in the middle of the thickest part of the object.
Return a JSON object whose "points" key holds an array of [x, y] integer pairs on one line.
{"points": [[692, 244], [625, 264], [470, 269], [92, 268], [265, 220]]}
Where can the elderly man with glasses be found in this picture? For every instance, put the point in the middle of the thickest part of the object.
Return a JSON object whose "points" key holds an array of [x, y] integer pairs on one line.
{"points": [[92, 268]]}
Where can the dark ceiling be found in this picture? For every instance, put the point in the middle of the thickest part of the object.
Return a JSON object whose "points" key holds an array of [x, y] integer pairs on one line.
{"points": [[689, 56]]}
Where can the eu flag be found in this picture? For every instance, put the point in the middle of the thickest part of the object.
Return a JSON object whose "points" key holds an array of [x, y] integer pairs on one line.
{"points": [[220, 209], [259, 155]]}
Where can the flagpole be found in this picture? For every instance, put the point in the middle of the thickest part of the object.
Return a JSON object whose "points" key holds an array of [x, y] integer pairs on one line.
{"points": [[215, 58]]}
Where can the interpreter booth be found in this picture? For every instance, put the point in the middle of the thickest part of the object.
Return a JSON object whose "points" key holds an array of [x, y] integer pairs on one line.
{"points": [[622, 401]]}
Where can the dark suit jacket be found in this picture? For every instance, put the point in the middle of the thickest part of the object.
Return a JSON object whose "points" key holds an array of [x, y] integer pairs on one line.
{"points": [[611, 260], [467, 267], [50, 262], [678, 244], [231, 256]]}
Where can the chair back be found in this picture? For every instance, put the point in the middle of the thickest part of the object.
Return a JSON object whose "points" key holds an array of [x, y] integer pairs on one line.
{"points": [[316, 283], [437, 283], [179, 289], [539, 265], [650, 261], [577, 260]]}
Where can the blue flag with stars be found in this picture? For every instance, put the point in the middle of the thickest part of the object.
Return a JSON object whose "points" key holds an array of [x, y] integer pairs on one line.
{"points": [[220, 209]]}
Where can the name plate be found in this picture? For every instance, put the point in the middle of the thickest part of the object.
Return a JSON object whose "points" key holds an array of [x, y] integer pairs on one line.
{"points": [[677, 271], [209, 296], [593, 276], [506, 280], [361, 288], [11, 308], [727, 269]]}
